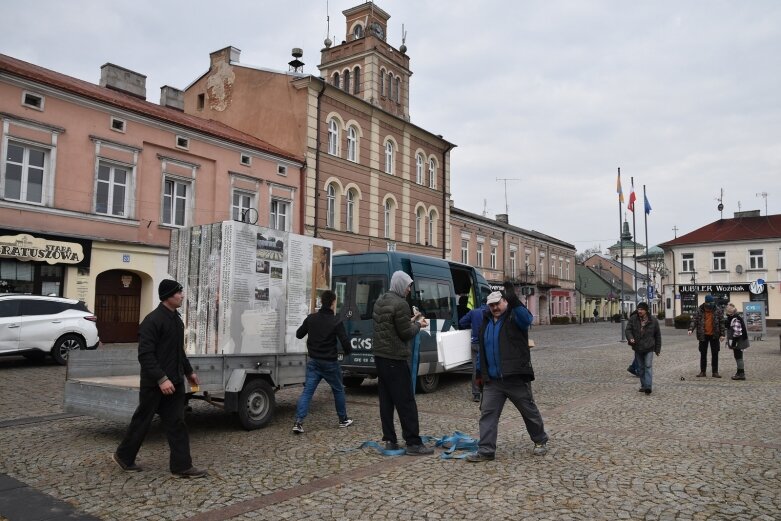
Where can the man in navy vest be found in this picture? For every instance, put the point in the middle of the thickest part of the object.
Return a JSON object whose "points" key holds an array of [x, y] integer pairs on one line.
{"points": [[505, 369]]}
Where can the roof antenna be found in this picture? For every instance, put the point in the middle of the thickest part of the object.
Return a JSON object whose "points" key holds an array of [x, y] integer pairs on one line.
{"points": [[327, 42], [764, 196], [720, 207]]}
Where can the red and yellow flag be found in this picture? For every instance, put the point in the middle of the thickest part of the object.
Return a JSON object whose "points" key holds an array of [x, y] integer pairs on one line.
{"points": [[618, 188]]}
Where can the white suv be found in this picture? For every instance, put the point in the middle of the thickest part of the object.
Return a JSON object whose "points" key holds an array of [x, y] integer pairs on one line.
{"points": [[32, 326]]}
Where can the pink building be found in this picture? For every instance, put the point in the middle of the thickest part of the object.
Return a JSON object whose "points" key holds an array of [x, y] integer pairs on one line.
{"points": [[93, 178]]}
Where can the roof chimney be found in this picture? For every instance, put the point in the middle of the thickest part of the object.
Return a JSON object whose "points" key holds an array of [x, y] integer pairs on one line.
{"points": [[172, 98], [748, 213], [502, 218], [123, 80], [228, 55]]}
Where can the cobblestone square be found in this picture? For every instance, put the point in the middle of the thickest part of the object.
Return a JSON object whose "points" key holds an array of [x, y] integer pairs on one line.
{"points": [[695, 449]]}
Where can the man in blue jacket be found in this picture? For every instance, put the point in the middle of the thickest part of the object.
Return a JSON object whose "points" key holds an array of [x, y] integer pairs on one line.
{"points": [[474, 319], [506, 372]]}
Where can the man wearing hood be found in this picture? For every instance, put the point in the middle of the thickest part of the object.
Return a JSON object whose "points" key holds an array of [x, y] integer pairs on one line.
{"points": [[708, 322], [394, 327]]}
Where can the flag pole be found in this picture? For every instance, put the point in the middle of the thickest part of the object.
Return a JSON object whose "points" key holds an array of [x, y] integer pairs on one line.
{"points": [[621, 258], [647, 260], [634, 237]]}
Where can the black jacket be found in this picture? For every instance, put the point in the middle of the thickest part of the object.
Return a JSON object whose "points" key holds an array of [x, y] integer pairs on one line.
{"points": [[648, 338], [161, 348], [323, 329]]}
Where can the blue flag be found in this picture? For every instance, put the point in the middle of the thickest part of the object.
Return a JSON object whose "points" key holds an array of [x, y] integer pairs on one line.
{"points": [[647, 205]]}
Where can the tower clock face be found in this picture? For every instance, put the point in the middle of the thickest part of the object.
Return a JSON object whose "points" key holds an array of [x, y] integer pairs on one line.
{"points": [[378, 31]]}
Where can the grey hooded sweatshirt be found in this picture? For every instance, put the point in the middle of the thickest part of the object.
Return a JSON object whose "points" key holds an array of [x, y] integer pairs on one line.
{"points": [[393, 327]]}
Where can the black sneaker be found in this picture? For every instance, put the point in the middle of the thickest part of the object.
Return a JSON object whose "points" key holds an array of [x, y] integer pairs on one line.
{"points": [[298, 428], [124, 466], [418, 450], [191, 473], [648, 391], [391, 445], [479, 457], [345, 423]]}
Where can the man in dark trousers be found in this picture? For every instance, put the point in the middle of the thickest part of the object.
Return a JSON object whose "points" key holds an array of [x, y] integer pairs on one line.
{"points": [[164, 366], [473, 320], [506, 372], [322, 329], [394, 328], [708, 324]]}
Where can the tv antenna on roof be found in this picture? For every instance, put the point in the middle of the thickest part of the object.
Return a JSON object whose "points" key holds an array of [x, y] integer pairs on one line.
{"points": [[720, 207], [763, 195], [505, 179]]}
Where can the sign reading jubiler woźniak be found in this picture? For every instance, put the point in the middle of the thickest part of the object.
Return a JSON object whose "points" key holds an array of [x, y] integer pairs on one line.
{"points": [[28, 248]]}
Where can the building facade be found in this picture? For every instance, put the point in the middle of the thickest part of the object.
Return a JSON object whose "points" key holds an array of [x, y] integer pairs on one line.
{"points": [[736, 260], [542, 266], [373, 180], [93, 179]]}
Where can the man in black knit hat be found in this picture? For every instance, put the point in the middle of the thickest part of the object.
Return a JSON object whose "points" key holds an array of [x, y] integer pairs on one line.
{"points": [[164, 366]]}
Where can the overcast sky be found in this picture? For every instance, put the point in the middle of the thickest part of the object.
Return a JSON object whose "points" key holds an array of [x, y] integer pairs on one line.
{"points": [[684, 96]]}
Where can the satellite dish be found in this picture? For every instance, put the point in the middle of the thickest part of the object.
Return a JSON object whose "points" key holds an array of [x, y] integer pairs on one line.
{"points": [[738, 269]]}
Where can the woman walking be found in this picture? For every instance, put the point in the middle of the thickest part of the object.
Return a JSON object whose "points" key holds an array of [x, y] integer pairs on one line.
{"points": [[737, 338]]}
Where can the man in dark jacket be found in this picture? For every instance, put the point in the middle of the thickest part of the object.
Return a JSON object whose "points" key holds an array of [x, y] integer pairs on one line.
{"points": [[394, 327], [323, 328], [708, 322], [506, 372], [164, 366], [645, 338], [474, 319]]}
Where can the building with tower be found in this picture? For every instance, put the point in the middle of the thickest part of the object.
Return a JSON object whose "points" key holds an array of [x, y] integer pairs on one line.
{"points": [[373, 180]]}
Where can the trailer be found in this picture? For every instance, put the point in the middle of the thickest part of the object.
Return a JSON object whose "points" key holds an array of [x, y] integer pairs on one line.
{"points": [[247, 289]]}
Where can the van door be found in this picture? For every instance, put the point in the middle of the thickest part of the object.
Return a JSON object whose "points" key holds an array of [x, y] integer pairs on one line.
{"points": [[10, 324], [366, 289]]}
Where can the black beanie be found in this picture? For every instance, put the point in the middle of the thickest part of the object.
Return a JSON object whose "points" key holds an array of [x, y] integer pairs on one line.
{"points": [[168, 288]]}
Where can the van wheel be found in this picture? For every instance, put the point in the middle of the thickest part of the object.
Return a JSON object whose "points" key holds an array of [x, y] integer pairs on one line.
{"points": [[64, 345], [256, 404], [428, 383], [352, 381]]}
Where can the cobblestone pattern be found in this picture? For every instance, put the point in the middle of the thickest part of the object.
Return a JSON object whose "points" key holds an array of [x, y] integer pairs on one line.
{"points": [[695, 449]]}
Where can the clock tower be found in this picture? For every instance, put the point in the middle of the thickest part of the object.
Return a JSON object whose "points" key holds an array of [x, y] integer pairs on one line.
{"points": [[365, 64]]}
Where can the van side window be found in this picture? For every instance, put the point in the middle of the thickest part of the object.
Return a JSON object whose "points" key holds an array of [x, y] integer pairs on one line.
{"points": [[433, 298], [340, 288], [367, 291]]}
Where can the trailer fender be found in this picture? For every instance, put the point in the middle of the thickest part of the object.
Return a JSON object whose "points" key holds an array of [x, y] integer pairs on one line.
{"points": [[239, 376]]}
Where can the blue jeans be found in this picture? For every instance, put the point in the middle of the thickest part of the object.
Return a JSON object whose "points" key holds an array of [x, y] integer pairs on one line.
{"points": [[317, 370], [645, 368]]}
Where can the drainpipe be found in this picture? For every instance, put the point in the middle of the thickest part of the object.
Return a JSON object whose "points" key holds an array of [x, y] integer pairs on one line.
{"points": [[317, 155], [674, 283], [444, 199]]}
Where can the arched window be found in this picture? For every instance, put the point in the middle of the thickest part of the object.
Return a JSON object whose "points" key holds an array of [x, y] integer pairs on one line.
{"points": [[330, 212], [419, 169], [432, 229], [398, 90], [432, 173], [388, 218], [389, 157], [420, 218], [358, 31], [333, 137], [382, 82], [350, 210], [352, 144], [335, 81], [346, 81], [356, 80], [390, 85]]}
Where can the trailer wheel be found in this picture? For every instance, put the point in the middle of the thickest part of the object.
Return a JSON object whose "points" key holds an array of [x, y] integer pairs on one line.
{"points": [[353, 381], [428, 383], [256, 404]]}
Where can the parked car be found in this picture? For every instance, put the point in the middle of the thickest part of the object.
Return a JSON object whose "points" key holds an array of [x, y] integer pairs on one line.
{"points": [[32, 326]]}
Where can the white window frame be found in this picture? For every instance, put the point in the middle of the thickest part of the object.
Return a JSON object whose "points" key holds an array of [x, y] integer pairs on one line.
{"points": [[493, 257], [464, 251], [513, 266], [389, 157], [432, 232], [282, 170], [112, 184], [419, 169], [25, 166], [568, 269], [35, 106], [432, 173], [388, 215], [352, 144], [420, 218], [237, 210], [479, 252], [330, 206], [174, 183], [719, 262], [687, 262], [333, 137], [756, 259], [275, 215], [118, 125], [350, 210], [245, 159], [182, 142]]}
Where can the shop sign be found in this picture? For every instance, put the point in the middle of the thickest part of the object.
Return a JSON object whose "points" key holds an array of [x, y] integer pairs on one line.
{"points": [[25, 247], [713, 288]]}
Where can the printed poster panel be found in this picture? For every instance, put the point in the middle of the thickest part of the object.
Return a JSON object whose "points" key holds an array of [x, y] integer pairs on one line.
{"points": [[754, 317], [309, 274]]}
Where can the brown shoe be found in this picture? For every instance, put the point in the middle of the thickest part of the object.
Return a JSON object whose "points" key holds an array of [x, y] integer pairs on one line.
{"points": [[190, 473], [716, 375], [124, 466], [701, 375]]}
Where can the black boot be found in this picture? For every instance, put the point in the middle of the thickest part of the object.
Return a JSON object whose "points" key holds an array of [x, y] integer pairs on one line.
{"points": [[740, 375]]}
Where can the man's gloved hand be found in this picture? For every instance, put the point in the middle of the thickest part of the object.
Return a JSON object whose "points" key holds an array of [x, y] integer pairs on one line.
{"points": [[509, 295]]}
